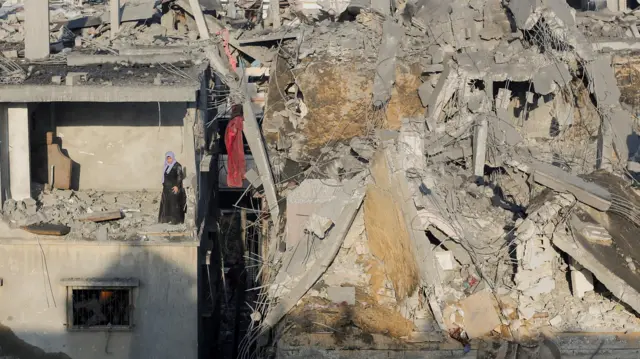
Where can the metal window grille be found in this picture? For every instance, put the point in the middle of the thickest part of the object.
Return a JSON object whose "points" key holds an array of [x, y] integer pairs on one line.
{"points": [[102, 308]]}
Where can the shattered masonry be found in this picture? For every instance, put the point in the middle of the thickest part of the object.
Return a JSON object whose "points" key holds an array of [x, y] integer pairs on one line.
{"points": [[430, 171]]}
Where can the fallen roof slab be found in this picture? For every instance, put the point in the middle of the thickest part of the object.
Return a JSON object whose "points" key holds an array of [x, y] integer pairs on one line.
{"points": [[614, 262], [55, 93]]}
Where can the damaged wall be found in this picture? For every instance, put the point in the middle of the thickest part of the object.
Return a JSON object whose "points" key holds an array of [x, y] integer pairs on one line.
{"points": [[338, 99], [119, 146], [36, 312]]}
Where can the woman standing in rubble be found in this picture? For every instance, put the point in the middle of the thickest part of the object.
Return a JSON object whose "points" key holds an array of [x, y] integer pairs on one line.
{"points": [[174, 199]]}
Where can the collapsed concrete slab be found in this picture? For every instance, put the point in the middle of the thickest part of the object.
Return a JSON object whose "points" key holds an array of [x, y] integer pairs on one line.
{"points": [[557, 179], [613, 262], [333, 243]]}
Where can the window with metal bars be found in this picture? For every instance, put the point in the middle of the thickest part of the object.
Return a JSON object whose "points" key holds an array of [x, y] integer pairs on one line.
{"points": [[99, 308]]}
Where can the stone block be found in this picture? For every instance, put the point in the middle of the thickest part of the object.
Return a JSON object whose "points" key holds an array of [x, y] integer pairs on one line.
{"points": [[56, 80], [581, 279]]}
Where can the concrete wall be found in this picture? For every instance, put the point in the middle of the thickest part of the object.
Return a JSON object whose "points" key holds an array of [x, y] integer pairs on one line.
{"points": [[121, 146], [33, 305], [4, 155]]}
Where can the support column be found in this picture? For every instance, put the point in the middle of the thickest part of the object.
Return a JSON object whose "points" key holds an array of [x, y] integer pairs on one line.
{"points": [[36, 37], [622, 5], [480, 147], [19, 161], [114, 8], [274, 13], [616, 5]]}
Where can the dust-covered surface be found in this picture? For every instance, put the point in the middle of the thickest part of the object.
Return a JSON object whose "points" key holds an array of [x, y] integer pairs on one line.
{"points": [[139, 211], [113, 75], [483, 96]]}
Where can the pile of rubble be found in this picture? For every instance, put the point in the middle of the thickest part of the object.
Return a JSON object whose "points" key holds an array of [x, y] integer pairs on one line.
{"points": [[450, 207], [598, 25], [93, 215], [463, 167]]}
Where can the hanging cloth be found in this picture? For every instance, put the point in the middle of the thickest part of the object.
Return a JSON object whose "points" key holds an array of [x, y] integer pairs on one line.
{"points": [[236, 166]]}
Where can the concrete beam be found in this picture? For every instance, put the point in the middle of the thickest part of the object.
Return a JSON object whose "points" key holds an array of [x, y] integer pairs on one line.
{"points": [[480, 147], [19, 158], [385, 73], [115, 17], [608, 44], [274, 15], [613, 282], [588, 193], [36, 37], [54, 93], [252, 133], [430, 275], [148, 59], [196, 11]]}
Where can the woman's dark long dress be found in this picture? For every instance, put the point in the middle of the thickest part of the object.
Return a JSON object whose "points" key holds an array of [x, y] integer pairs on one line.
{"points": [[173, 205]]}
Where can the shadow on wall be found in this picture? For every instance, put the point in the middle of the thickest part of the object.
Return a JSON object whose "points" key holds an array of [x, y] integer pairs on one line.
{"points": [[138, 114], [163, 309], [12, 346]]}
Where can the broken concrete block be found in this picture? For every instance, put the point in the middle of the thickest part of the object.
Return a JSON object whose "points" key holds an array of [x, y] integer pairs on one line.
{"points": [[480, 315], [425, 91], [361, 147], [253, 177], [74, 78], [548, 78], [581, 279], [530, 96], [435, 68], [57, 80], [318, 225], [503, 98], [341, 295], [446, 260], [603, 83], [10, 54], [596, 233], [544, 285], [437, 54]]}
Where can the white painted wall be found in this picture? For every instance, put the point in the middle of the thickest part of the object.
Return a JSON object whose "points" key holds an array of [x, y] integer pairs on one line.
{"points": [[165, 314], [121, 146], [18, 138]]}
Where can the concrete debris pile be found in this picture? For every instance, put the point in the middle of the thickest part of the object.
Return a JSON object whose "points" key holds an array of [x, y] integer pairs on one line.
{"points": [[467, 128], [93, 214], [599, 25]]}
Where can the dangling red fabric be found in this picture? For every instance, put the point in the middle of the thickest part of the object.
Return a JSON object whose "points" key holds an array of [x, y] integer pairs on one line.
{"points": [[235, 151]]}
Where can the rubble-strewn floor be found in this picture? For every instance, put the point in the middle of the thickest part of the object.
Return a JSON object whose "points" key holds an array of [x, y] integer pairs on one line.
{"points": [[67, 207]]}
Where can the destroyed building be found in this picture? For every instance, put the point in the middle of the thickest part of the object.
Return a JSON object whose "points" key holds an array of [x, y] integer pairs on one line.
{"points": [[364, 178]]}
